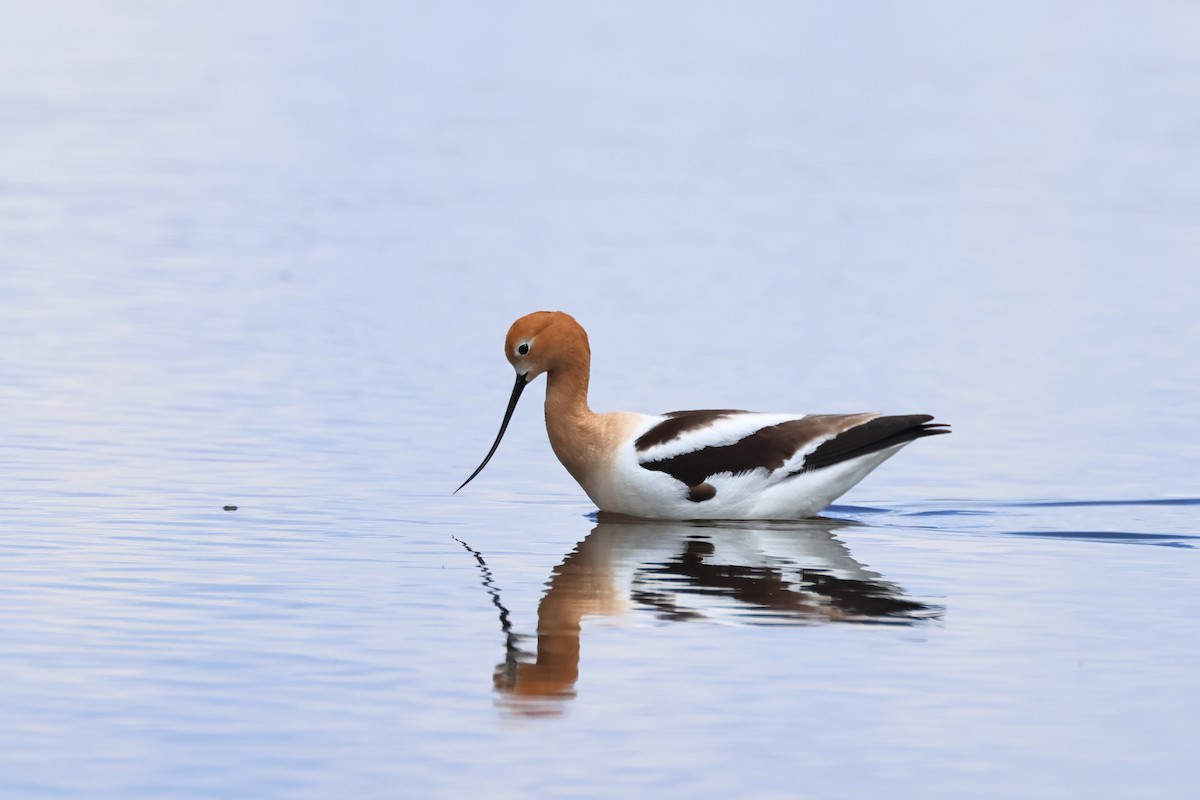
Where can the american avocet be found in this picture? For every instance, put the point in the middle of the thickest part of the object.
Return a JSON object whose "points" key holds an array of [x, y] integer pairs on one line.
{"points": [[693, 464]]}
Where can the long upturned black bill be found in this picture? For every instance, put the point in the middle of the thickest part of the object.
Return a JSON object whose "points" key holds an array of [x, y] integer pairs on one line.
{"points": [[512, 404]]}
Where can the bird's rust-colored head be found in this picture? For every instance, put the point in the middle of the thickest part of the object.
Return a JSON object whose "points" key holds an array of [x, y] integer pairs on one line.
{"points": [[543, 341]]}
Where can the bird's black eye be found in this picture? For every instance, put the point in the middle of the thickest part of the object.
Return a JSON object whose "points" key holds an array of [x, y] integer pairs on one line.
{"points": [[523, 349]]}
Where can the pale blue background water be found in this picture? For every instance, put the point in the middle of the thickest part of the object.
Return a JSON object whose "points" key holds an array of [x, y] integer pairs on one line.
{"points": [[265, 254]]}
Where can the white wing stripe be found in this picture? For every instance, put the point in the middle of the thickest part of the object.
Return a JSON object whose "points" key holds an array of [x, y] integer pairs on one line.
{"points": [[721, 432]]}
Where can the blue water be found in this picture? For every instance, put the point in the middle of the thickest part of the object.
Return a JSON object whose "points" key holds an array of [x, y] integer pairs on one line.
{"points": [[264, 255]]}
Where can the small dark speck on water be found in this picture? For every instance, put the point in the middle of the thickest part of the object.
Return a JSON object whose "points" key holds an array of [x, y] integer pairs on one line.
{"points": [[231, 508]]}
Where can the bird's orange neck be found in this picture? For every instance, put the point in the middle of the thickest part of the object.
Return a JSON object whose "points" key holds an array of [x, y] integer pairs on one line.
{"points": [[570, 423]]}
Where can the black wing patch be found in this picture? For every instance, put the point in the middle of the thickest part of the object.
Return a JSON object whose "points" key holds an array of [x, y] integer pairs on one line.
{"points": [[678, 423], [871, 437], [767, 448]]}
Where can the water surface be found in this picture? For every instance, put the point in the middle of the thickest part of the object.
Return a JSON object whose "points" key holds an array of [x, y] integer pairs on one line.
{"points": [[264, 256]]}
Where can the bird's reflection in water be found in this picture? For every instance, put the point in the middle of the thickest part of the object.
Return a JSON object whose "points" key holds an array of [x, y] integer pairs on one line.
{"points": [[747, 573]]}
